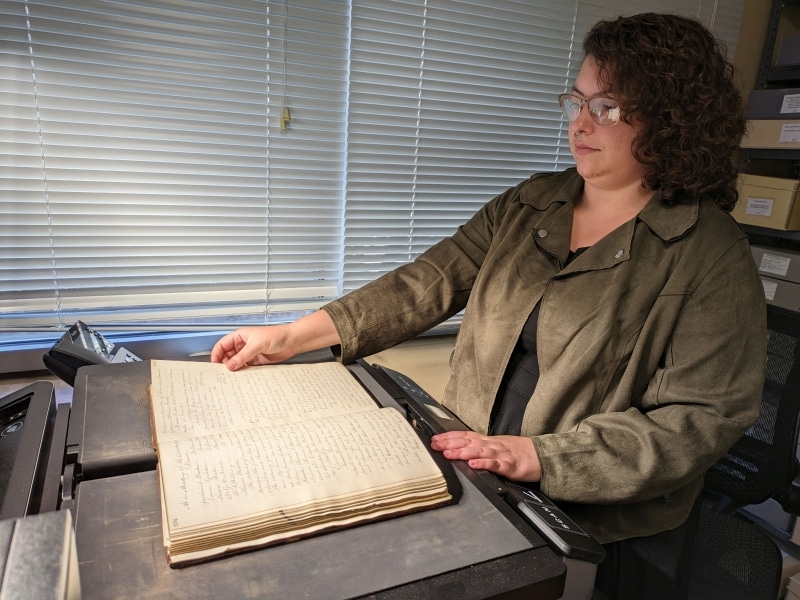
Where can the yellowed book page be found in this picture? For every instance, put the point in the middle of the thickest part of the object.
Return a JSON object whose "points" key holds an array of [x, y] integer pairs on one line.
{"points": [[218, 478], [272, 539], [196, 398]]}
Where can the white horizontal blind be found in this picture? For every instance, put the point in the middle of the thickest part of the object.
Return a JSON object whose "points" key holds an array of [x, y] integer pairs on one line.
{"points": [[722, 17], [145, 174], [451, 102], [145, 177]]}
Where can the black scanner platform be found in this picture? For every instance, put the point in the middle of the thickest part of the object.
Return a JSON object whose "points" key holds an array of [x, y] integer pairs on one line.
{"points": [[481, 547], [31, 428], [530, 502]]}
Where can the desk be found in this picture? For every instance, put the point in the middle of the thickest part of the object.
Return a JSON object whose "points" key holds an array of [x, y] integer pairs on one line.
{"points": [[475, 549]]}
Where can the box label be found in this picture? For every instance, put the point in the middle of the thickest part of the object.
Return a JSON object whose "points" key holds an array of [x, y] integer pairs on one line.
{"points": [[760, 207], [770, 287], [790, 133], [777, 265], [791, 103]]}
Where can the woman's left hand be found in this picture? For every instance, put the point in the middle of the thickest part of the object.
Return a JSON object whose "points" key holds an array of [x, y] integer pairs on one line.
{"points": [[511, 456]]}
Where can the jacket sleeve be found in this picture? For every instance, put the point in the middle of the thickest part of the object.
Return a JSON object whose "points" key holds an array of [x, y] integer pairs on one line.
{"points": [[417, 296], [702, 396]]}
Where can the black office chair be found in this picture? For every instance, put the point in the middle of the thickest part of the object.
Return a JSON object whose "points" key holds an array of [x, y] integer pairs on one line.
{"points": [[733, 558]]}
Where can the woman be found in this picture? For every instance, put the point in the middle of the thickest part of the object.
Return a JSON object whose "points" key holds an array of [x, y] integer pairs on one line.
{"points": [[613, 343]]}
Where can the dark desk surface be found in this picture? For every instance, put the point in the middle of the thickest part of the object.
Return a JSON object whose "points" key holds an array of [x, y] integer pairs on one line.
{"points": [[475, 549]]}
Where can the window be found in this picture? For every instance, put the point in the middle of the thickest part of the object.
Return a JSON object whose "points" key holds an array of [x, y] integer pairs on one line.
{"points": [[151, 182], [149, 179], [451, 102]]}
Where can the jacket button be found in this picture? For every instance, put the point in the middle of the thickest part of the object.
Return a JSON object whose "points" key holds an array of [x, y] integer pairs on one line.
{"points": [[619, 254], [542, 233]]}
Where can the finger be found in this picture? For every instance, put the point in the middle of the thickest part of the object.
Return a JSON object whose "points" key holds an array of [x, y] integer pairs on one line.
{"points": [[447, 442], [488, 464], [220, 350], [236, 362], [450, 436], [455, 434], [467, 452]]}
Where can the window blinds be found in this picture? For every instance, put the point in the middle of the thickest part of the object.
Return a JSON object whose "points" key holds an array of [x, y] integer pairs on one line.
{"points": [[146, 175], [451, 102], [147, 181]]}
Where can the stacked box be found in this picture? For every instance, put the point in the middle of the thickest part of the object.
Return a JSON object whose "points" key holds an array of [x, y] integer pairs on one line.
{"points": [[773, 119], [781, 293], [782, 103], [777, 263], [780, 275], [772, 134], [768, 202]]}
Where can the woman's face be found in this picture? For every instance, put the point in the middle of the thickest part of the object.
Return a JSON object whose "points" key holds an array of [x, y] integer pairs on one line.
{"points": [[603, 155]]}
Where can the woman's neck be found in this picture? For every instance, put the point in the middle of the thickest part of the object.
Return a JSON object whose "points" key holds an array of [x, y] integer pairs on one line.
{"points": [[598, 212]]}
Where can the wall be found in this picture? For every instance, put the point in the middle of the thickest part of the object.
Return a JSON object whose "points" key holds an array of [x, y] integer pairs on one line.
{"points": [[753, 33]]}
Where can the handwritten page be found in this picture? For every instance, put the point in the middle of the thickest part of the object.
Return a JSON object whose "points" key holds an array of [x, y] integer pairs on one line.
{"points": [[265, 468], [207, 397]]}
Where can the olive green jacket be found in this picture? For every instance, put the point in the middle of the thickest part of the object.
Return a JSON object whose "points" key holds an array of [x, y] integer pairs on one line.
{"points": [[651, 344]]}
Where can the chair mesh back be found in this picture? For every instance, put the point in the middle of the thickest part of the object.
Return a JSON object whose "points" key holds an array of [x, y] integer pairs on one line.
{"points": [[763, 461], [733, 559]]}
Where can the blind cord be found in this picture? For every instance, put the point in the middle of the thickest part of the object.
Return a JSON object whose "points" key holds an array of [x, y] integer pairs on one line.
{"points": [[267, 199], [417, 133], [56, 290]]}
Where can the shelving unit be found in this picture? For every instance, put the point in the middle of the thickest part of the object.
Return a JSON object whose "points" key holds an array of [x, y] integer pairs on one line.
{"points": [[784, 13], [784, 163]]}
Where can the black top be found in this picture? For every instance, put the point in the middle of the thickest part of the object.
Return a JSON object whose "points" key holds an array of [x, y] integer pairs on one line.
{"points": [[520, 378]]}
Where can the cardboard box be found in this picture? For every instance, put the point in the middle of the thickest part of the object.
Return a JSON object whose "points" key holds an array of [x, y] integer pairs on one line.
{"points": [[772, 133], [768, 202], [781, 293], [774, 104], [777, 263]]}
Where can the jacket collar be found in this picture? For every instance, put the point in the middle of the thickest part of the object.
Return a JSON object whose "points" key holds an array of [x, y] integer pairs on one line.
{"points": [[667, 222], [670, 222]]}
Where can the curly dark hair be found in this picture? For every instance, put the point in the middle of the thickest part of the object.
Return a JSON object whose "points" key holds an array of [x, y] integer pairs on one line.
{"points": [[671, 77]]}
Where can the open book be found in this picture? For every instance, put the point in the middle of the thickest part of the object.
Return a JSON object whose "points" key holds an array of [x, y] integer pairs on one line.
{"points": [[274, 453]]}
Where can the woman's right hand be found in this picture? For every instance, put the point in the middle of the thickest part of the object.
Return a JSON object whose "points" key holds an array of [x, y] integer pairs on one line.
{"points": [[264, 345]]}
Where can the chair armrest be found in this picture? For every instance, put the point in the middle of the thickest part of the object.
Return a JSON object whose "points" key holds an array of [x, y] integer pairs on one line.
{"points": [[789, 497]]}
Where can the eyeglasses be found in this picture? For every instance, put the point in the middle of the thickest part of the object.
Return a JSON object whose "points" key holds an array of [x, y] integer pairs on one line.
{"points": [[604, 111]]}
